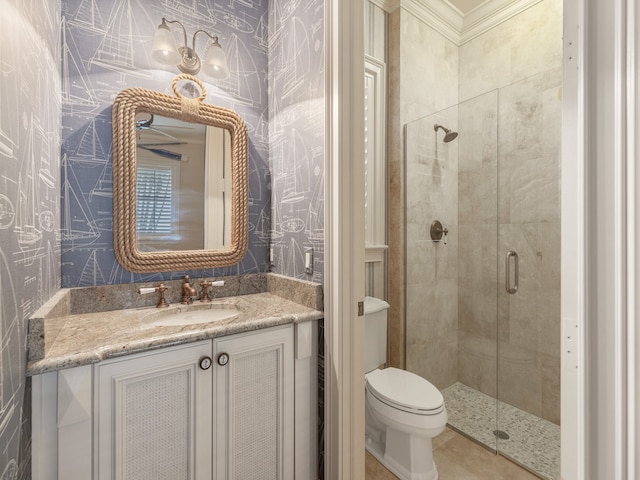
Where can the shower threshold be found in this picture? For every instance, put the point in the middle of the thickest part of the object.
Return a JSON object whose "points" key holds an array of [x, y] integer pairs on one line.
{"points": [[533, 443]]}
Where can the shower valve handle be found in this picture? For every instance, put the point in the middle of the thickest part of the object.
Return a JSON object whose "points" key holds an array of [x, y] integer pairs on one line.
{"points": [[437, 231]]}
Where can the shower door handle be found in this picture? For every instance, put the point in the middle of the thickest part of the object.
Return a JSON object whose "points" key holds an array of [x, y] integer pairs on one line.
{"points": [[507, 280]]}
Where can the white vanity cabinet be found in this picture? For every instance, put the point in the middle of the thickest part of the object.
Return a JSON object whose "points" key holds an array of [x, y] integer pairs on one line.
{"points": [[253, 421], [153, 415], [235, 407]]}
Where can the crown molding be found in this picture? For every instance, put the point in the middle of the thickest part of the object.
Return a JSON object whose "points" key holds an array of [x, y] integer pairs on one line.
{"points": [[387, 5], [491, 14], [451, 23], [440, 15]]}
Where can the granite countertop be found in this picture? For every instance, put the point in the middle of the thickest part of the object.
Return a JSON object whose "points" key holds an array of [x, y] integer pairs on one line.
{"points": [[66, 333]]}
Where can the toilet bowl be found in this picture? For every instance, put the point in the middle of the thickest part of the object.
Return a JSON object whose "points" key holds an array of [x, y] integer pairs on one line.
{"points": [[403, 411]]}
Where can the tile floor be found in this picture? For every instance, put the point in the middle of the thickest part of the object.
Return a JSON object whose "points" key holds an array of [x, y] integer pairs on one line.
{"points": [[458, 458], [533, 441]]}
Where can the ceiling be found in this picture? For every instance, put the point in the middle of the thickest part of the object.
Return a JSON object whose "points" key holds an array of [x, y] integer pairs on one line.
{"points": [[465, 5]]}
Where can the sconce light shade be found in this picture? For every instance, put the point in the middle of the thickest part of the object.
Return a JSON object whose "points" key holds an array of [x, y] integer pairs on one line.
{"points": [[165, 50], [215, 62]]}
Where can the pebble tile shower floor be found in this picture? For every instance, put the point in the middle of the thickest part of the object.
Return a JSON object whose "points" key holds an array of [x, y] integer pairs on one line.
{"points": [[533, 442]]}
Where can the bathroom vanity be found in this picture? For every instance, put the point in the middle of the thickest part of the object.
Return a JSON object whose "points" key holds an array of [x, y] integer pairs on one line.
{"points": [[139, 393]]}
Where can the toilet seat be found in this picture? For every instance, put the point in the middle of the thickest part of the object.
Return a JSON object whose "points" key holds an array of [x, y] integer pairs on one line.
{"points": [[405, 391]]}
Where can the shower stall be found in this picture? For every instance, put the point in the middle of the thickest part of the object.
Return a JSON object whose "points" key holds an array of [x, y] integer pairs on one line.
{"points": [[482, 319]]}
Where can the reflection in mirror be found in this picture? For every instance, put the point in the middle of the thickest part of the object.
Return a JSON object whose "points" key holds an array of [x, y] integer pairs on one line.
{"points": [[180, 182], [183, 185]]}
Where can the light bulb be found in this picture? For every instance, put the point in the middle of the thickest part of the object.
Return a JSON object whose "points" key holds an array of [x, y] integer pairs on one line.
{"points": [[215, 63], [164, 48]]}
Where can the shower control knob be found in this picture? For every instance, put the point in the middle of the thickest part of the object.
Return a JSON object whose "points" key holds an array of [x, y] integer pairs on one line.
{"points": [[223, 359], [205, 363]]}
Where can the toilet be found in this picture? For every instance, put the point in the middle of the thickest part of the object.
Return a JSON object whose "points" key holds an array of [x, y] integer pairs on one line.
{"points": [[403, 411]]}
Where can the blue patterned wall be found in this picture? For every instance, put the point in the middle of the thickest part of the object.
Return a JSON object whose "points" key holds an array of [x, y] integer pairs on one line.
{"points": [[276, 53], [296, 135], [29, 204], [105, 49], [276, 57]]}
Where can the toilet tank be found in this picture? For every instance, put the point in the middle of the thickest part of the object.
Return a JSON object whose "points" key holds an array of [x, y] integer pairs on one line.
{"points": [[375, 336]]}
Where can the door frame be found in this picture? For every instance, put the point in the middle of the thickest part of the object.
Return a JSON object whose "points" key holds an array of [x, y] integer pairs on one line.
{"points": [[600, 381], [344, 239]]}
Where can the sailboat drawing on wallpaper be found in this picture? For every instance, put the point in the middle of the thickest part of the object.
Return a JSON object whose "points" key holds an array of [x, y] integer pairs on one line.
{"points": [[294, 260], [91, 273], [296, 51], [6, 143], [294, 188], [262, 32], [90, 150], [88, 17], [28, 201], [104, 185], [187, 10], [10, 353], [78, 228], [233, 21], [280, 12], [263, 228], [117, 48], [7, 212], [244, 84], [75, 89]]}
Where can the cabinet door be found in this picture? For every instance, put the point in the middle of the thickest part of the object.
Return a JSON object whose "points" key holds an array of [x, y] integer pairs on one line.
{"points": [[253, 423], [154, 415]]}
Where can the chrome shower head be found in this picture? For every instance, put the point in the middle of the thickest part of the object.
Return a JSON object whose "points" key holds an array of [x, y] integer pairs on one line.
{"points": [[448, 134]]}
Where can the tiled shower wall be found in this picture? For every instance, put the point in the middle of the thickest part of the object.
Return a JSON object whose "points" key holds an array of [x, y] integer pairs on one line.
{"points": [[29, 204], [510, 143], [502, 92], [275, 53], [432, 267], [423, 78]]}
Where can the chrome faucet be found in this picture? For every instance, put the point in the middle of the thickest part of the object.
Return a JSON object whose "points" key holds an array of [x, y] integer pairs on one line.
{"points": [[188, 292]]}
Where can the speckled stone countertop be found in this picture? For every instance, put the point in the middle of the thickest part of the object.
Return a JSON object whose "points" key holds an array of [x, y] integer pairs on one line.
{"points": [[75, 327]]}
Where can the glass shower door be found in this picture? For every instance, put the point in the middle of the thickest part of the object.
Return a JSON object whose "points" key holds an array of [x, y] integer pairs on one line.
{"points": [[477, 271], [528, 264], [451, 289]]}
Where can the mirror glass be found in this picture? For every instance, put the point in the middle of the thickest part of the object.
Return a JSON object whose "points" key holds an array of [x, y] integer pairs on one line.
{"points": [[183, 185], [180, 182]]}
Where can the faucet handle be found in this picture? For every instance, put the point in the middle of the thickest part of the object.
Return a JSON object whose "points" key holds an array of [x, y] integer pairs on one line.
{"points": [[162, 303], [205, 284]]}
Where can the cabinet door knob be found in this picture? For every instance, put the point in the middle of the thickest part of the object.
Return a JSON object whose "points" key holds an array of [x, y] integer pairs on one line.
{"points": [[223, 359], [205, 363]]}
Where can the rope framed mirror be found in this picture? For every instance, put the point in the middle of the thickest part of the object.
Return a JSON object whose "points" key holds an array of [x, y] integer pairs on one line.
{"points": [[154, 227]]}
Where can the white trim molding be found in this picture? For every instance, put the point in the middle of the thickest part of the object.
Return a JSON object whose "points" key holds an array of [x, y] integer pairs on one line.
{"points": [[490, 14], [612, 191], [573, 247], [454, 25], [344, 240], [631, 19]]}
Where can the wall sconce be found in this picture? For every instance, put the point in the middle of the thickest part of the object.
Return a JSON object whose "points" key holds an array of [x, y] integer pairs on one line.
{"points": [[166, 52]]}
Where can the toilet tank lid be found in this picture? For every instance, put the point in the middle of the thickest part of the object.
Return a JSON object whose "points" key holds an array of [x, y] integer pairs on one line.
{"points": [[373, 305]]}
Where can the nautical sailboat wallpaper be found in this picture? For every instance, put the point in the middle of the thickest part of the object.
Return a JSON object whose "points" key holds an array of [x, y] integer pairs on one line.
{"points": [[29, 204], [62, 62], [275, 55]]}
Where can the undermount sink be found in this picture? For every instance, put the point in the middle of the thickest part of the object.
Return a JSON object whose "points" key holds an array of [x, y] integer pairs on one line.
{"points": [[194, 317]]}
